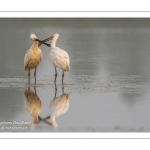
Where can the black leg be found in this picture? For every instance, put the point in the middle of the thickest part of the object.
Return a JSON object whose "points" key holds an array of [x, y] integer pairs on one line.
{"points": [[62, 88], [35, 81], [63, 82], [35, 75], [28, 74], [55, 74], [29, 87], [62, 77], [35, 72], [55, 90], [35, 89], [29, 77]]}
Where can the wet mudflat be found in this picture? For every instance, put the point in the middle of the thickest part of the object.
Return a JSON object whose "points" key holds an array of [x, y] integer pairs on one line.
{"points": [[106, 90], [98, 105]]}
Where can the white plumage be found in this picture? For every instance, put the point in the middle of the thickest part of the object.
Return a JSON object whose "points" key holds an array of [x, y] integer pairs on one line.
{"points": [[59, 57]]}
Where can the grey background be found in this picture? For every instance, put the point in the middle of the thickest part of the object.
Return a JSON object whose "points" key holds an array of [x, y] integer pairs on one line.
{"points": [[108, 81]]}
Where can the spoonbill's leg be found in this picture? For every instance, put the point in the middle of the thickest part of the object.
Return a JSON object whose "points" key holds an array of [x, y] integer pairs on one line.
{"points": [[35, 81], [35, 89], [35, 72], [35, 75], [28, 86], [55, 90], [55, 74], [62, 77], [62, 88], [29, 77]]}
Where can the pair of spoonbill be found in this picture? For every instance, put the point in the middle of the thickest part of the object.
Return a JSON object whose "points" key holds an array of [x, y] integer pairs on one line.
{"points": [[58, 57]]}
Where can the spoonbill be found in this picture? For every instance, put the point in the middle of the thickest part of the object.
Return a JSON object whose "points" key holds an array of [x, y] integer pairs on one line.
{"points": [[33, 56], [58, 57]]}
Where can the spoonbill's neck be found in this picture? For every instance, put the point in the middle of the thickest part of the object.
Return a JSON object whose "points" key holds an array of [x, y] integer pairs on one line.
{"points": [[53, 43], [36, 44]]}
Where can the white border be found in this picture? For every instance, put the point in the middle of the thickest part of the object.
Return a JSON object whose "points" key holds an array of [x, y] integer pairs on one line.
{"points": [[75, 135], [74, 14], [75, 5], [70, 135]]}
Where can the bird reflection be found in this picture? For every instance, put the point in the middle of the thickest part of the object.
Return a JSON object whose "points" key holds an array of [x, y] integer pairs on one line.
{"points": [[58, 106], [32, 103]]}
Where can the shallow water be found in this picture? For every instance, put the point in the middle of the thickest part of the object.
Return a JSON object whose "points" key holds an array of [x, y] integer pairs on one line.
{"points": [[108, 84]]}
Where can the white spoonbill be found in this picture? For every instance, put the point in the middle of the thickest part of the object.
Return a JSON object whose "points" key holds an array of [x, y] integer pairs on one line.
{"points": [[33, 56], [58, 57]]}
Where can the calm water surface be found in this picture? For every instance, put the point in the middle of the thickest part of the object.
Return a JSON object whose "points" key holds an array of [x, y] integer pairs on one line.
{"points": [[107, 88]]}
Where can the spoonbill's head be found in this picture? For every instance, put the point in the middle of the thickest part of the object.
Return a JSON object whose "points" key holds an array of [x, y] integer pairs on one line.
{"points": [[53, 37], [33, 37], [56, 35], [50, 38]]}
